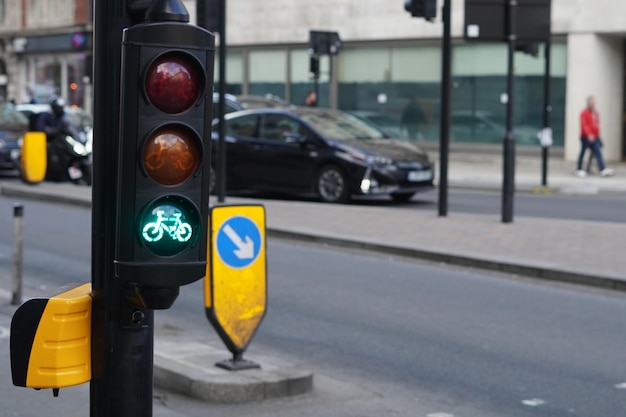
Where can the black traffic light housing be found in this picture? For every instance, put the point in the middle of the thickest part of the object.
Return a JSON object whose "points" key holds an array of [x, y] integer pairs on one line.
{"points": [[421, 8], [314, 66], [164, 157], [529, 48]]}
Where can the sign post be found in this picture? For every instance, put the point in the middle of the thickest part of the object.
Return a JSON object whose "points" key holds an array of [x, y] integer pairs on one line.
{"points": [[515, 22], [122, 340]]}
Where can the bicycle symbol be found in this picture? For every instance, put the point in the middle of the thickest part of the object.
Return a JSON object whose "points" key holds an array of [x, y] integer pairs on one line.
{"points": [[175, 228]]}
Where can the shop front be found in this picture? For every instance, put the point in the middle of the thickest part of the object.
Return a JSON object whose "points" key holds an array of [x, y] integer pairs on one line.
{"points": [[54, 65]]}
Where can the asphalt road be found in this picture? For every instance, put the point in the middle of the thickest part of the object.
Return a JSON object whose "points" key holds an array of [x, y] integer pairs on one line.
{"points": [[605, 207], [384, 336], [451, 341]]}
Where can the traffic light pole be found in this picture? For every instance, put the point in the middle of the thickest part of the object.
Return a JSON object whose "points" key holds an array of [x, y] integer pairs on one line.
{"points": [[221, 159], [122, 335]]}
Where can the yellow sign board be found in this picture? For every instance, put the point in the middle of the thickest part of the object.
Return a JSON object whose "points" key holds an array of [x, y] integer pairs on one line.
{"points": [[235, 284]]}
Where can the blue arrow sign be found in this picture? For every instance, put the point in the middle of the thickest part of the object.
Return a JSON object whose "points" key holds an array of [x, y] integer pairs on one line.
{"points": [[238, 242]]}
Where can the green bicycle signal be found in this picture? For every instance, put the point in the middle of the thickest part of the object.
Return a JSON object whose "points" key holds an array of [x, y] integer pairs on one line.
{"points": [[177, 230], [169, 226]]}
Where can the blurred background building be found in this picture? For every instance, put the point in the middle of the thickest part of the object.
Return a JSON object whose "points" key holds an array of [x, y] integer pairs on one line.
{"points": [[46, 50], [386, 59]]}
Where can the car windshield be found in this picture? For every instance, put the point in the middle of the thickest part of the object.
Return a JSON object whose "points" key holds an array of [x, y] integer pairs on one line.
{"points": [[341, 126]]}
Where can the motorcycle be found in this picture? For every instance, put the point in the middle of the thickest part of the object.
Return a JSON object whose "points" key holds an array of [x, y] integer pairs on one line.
{"points": [[69, 155]]}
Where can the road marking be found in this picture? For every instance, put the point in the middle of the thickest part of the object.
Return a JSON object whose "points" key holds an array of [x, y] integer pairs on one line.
{"points": [[534, 402], [4, 332], [621, 385], [439, 415]]}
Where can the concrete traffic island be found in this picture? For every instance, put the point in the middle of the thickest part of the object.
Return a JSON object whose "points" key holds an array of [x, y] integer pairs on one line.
{"points": [[189, 369]]}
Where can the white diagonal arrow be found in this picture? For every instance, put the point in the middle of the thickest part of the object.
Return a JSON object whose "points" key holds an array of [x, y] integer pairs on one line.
{"points": [[245, 250]]}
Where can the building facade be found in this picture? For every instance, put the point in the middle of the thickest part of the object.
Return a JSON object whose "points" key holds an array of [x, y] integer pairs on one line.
{"points": [[46, 50], [386, 60]]}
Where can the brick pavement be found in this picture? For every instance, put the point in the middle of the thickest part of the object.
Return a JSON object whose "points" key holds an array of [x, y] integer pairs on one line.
{"points": [[544, 248]]}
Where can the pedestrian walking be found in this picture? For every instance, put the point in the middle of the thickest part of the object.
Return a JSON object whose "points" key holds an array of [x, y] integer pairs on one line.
{"points": [[412, 118], [590, 139]]}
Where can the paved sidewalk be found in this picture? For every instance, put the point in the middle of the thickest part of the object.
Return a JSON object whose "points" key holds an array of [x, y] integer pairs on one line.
{"points": [[542, 248], [535, 247]]}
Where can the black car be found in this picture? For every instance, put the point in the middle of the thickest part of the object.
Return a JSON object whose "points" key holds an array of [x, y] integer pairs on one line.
{"points": [[13, 125], [258, 102], [230, 104], [330, 153]]}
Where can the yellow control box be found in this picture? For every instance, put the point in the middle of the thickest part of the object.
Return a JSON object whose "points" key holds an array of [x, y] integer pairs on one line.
{"points": [[51, 340]]}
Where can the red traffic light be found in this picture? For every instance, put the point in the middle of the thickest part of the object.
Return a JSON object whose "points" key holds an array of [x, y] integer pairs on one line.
{"points": [[173, 83], [171, 155]]}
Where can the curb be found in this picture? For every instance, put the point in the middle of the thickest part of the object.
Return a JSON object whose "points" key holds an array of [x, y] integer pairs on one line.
{"points": [[536, 272], [47, 195], [551, 274], [189, 369]]}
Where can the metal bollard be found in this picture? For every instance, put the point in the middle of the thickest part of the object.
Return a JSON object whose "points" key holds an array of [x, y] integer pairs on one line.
{"points": [[18, 239]]}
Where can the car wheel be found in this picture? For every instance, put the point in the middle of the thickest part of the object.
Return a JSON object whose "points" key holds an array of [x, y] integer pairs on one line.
{"points": [[332, 185], [402, 197]]}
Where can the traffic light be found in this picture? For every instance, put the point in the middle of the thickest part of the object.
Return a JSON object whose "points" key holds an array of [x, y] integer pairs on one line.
{"points": [[421, 8], [529, 48], [164, 157], [314, 66]]}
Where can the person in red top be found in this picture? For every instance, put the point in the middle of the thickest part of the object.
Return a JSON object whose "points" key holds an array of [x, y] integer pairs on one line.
{"points": [[590, 138]]}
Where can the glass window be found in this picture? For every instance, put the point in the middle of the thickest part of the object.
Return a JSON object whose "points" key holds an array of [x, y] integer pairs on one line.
{"points": [[268, 72], [234, 72], [243, 126], [479, 80], [380, 83], [341, 126], [416, 65], [280, 128]]}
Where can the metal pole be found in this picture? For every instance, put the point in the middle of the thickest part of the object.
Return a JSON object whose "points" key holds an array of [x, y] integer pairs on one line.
{"points": [[122, 335], [445, 110], [221, 108], [508, 187], [18, 240], [547, 109]]}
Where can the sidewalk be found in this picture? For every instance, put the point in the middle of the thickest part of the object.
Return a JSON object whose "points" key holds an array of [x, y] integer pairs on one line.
{"points": [[534, 247], [542, 248]]}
